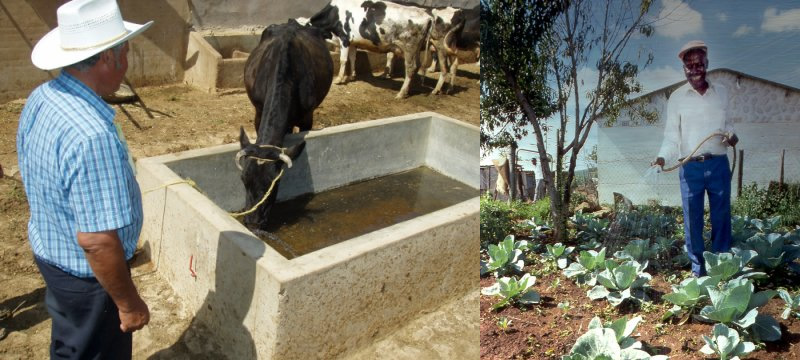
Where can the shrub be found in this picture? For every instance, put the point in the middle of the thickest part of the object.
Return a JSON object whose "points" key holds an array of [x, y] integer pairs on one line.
{"points": [[541, 209], [773, 200], [496, 221]]}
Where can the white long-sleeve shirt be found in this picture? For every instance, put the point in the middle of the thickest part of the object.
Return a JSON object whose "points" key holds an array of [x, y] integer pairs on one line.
{"points": [[692, 117]]}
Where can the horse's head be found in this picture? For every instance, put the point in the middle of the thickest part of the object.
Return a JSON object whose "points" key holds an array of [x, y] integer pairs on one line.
{"points": [[261, 166]]}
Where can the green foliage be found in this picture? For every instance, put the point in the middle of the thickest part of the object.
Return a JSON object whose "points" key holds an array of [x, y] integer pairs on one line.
{"points": [[742, 228], [645, 224], [512, 63], [619, 283], [591, 231], [496, 220], [558, 253], [774, 250], [611, 341], [792, 304], [724, 342], [588, 266], [504, 324], [689, 295], [511, 290], [541, 209], [728, 265], [768, 202], [505, 257], [639, 250], [736, 304]]}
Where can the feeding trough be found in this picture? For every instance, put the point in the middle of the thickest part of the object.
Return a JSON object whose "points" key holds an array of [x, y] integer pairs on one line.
{"points": [[262, 301], [215, 60]]}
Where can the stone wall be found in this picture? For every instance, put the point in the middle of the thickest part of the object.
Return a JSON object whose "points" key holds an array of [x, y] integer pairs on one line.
{"points": [[766, 118]]}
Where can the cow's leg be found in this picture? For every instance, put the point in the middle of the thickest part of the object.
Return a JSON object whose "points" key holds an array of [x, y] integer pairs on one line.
{"points": [[411, 69], [453, 70], [351, 58], [387, 69], [343, 55], [434, 61], [440, 57]]}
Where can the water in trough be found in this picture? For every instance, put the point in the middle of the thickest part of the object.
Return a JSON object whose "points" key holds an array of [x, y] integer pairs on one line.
{"points": [[314, 221]]}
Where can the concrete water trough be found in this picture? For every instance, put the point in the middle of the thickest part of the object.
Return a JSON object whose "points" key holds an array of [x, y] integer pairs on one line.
{"points": [[215, 59], [330, 301]]}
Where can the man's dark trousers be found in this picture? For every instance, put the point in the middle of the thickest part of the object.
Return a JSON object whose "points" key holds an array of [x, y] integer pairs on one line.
{"points": [[711, 176], [85, 318]]}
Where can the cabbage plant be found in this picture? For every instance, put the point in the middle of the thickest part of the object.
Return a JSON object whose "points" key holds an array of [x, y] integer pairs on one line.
{"points": [[742, 228], [505, 257], [589, 264], [513, 290], [591, 231], [559, 253], [689, 296], [618, 283], [638, 249], [725, 343], [736, 304], [728, 265], [610, 341], [774, 251], [792, 304]]}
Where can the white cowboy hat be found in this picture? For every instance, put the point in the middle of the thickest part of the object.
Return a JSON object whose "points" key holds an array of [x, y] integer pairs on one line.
{"points": [[85, 28]]}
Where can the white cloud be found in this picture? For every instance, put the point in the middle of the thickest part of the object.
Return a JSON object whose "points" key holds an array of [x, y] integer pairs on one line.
{"points": [[677, 19], [775, 21], [723, 17], [743, 30], [655, 78]]}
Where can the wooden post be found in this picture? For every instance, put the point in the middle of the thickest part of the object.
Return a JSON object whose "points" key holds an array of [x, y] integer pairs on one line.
{"points": [[741, 166], [780, 181]]}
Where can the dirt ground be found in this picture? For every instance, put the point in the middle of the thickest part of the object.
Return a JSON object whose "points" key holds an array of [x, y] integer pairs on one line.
{"points": [[183, 119]]}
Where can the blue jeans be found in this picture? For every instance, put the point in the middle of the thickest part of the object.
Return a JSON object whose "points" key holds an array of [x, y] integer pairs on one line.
{"points": [[712, 176], [85, 319]]}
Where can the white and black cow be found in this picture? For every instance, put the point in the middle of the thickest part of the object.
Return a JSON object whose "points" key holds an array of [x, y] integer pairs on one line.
{"points": [[456, 37], [375, 26]]}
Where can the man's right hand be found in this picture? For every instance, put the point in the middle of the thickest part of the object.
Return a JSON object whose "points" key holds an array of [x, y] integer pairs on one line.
{"points": [[659, 161], [134, 318]]}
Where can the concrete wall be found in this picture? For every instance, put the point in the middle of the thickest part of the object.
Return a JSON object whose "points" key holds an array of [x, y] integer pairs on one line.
{"points": [[156, 56], [766, 118], [340, 298]]}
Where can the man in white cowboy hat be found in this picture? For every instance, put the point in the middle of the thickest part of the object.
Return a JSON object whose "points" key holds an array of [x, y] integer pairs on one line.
{"points": [[85, 204], [695, 111]]}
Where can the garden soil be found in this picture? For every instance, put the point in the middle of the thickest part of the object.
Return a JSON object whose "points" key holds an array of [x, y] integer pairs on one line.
{"points": [[545, 331], [185, 119]]}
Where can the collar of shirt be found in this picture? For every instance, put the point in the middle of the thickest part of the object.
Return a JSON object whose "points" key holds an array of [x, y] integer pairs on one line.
{"points": [[72, 84]]}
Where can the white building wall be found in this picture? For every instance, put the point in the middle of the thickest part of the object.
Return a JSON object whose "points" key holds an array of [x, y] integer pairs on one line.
{"points": [[767, 121]]}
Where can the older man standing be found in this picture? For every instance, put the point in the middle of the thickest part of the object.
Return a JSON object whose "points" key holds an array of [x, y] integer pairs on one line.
{"points": [[85, 204], [695, 111]]}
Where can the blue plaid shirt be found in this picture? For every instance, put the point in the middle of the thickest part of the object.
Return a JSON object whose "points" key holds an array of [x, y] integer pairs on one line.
{"points": [[76, 174]]}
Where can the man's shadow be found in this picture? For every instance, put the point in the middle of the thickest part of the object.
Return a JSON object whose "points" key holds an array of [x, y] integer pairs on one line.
{"points": [[217, 330]]}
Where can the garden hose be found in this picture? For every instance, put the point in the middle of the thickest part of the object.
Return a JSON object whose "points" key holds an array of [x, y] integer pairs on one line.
{"points": [[689, 157]]}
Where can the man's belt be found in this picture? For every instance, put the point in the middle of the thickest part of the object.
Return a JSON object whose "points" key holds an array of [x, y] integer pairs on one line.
{"points": [[702, 157]]}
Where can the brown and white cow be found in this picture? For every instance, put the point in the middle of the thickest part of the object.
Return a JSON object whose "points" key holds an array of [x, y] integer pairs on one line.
{"points": [[456, 37], [375, 26]]}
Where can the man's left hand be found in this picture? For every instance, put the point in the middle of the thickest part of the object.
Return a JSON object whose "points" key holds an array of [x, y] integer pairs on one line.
{"points": [[732, 141]]}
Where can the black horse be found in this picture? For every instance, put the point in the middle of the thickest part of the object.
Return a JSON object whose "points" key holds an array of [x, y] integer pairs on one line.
{"points": [[286, 76]]}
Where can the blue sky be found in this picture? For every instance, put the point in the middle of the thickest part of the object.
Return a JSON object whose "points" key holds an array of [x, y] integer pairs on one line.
{"points": [[760, 38]]}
